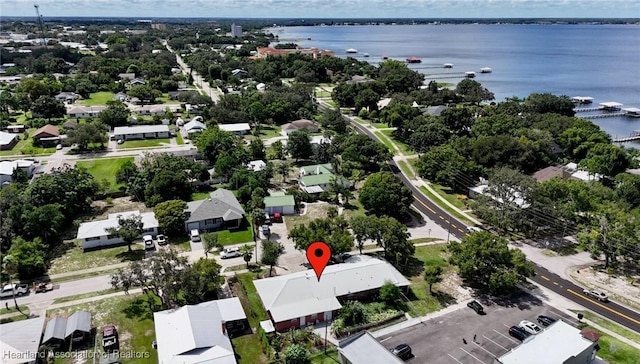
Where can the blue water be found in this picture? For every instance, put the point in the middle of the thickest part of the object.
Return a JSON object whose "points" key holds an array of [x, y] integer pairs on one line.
{"points": [[601, 61]]}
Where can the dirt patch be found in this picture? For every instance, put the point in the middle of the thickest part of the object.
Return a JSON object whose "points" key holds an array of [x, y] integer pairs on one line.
{"points": [[625, 289], [120, 204]]}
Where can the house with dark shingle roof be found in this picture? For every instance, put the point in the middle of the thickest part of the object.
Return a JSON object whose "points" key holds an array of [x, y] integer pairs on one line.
{"points": [[221, 209]]}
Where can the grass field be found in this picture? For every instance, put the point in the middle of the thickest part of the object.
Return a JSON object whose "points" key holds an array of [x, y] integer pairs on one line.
{"points": [[144, 143], [404, 166], [313, 212], [98, 98], [421, 301], [386, 142], [450, 196], [242, 235], [179, 139], [74, 258], [105, 168], [445, 207], [404, 148]]}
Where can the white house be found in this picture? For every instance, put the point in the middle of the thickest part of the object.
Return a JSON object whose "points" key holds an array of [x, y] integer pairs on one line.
{"points": [[140, 132], [256, 165], [8, 167], [302, 124], [237, 129], [362, 347], [81, 112], [94, 234], [21, 339], [194, 126], [299, 299], [7, 140], [151, 110], [279, 202], [198, 333], [581, 174]]}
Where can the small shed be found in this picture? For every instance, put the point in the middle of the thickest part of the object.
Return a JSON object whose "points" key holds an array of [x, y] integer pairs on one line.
{"points": [[279, 202], [54, 333], [78, 326]]}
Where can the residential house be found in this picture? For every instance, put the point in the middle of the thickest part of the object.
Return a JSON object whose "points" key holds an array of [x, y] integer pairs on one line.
{"points": [[7, 140], [237, 129], [560, 342], [281, 203], [220, 210], [581, 174], [47, 135], [136, 82], [199, 333], [22, 340], [299, 299], [256, 166], [302, 124], [82, 112], [140, 132], [434, 110], [16, 128], [67, 97], [239, 73], [8, 167], [550, 172], [384, 103], [151, 110], [264, 52], [94, 234], [362, 347], [173, 95], [318, 178], [127, 76], [194, 126], [121, 96], [61, 330], [359, 79], [319, 139], [482, 190]]}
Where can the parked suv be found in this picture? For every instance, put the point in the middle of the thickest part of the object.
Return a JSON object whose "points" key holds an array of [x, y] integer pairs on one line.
{"points": [[148, 242], [476, 307], [402, 351], [600, 296], [194, 235], [230, 253], [530, 327], [518, 332], [545, 320], [162, 240]]}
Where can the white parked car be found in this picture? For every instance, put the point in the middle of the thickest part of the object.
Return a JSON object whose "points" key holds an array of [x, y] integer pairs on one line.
{"points": [[530, 327], [195, 236], [230, 253], [162, 240], [473, 229], [600, 296], [148, 242]]}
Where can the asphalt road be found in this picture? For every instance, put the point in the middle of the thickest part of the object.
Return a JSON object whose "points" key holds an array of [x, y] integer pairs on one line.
{"points": [[567, 289], [610, 310], [65, 289]]}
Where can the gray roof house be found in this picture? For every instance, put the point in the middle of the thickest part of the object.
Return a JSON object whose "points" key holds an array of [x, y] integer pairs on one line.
{"points": [[362, 347], [55, 330], [60, 329], [67, 97], [21, 339], [221, 209]]}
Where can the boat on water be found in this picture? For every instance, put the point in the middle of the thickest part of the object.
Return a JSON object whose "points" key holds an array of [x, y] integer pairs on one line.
{"points": [[413, 60], [448, 65], [385, 57], [486, 70], [351, 50], [366, 54], [470, 74]]}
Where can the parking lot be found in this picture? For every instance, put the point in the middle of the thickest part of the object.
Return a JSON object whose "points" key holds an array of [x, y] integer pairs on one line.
{"points": [[440, 340]]}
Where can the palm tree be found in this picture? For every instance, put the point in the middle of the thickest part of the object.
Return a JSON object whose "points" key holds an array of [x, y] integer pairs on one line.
{"points": [[247, 253], [283, 170], [10, 266], [258, 218]]}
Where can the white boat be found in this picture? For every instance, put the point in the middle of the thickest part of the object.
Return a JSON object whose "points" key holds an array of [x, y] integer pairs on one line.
{"points": [[470, 74], [448, 65], [351, 50], [486, 70]]}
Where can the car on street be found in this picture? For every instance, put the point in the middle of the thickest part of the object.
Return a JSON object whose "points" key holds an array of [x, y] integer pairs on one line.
{"points": [[530, 327], [9, 290], [402, 351], [476, 306], [161, 239], [600, 296], [230, 253], [545, 320], [473, 229], [518, 332], [148, 242]]}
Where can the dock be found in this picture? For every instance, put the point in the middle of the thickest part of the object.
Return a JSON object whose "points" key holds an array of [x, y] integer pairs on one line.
{"points": [[605, 115], [633, 137], [582, 99]]}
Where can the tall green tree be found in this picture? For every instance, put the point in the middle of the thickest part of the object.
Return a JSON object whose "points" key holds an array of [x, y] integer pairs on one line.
{"points": [[87, 133], [299, 145], [48, 107], [116, 114], [129, 229], [30, 256], [171, 217], [384, 194], [271, 252], [432, 275]]}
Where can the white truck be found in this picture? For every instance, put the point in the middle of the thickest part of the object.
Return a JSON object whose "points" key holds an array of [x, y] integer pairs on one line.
{"points": [[9, 289]]}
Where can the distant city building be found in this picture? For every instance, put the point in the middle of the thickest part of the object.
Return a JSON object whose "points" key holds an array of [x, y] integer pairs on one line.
{"points": [[264, 52], [159, 26], [236, 30]]}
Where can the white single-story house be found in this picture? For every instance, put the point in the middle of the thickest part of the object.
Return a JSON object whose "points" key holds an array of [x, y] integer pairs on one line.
{"points": [[151, 110], [8, 167], [318, 178], [481, 190], [7, 140], [581, 174], [94, 234], [220, 210], [198, 333], [81, 112], [140, 132], [362, 347], [302, 124], [16, 128], [319, 139], [67, 97], [299, 299], [194, 126], [279, 202], [256, 165], [237, 129], [21, 339]]}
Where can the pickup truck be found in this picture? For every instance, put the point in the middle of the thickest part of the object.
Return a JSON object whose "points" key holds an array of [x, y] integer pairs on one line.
{"points": [[110, 339], [42, 287], [8, 290]]}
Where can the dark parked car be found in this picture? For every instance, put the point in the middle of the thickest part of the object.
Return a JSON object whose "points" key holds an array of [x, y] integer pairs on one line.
{"points": [[476, 307], [545, 320], [402, 351], [518, 332]]}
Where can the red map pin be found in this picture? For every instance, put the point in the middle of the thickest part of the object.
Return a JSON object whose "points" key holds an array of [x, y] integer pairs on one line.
{"points": [[318, 254]]}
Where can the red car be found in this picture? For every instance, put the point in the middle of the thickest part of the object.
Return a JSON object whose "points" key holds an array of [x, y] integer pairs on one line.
{"points": [[277, 217]]}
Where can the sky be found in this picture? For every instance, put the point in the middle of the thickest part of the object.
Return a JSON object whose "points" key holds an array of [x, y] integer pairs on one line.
{"points": [[327, 8]]}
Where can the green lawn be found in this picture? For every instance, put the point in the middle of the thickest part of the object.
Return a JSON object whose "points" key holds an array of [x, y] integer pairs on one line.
{"points": [[242, 235], [179, 139], [132, 317], [322, 93], [105, 168], [255, 311], [165, 99], [71, 257], [248, 349], [17, 149], [143, 143], [98, 98], [609, 325], [404, 148], [445, 207], [387, 142], [404, 166], [450, 196], [270, 131], [380, 125], [331, 357], [12, 308], [355, 209], [421, 301], [615, 351], [25, 147]]}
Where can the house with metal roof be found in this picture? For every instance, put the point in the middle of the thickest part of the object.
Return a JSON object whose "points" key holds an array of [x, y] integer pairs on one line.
{"points": [[198, 333], [8, 167], [60, 330], [194, 126], [362, 347], [81, 112], [302, 124], [7, 140], [237, 129], [94, 234], [21, 339], [279, 202], [256, 165], [140, 132], [299, 299], [221, 209], [318, 178]]}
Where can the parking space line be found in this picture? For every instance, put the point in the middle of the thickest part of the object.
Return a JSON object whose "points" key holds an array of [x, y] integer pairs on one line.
{"points": [[455, 359], [473, 356], [505, 336], [495, 342], [490, 353]]}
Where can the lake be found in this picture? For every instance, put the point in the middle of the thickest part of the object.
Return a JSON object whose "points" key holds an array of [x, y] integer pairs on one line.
{"points": [[601, 61]]}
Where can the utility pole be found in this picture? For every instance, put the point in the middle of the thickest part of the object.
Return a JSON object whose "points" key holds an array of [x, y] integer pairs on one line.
{"points": [[449, 230]]}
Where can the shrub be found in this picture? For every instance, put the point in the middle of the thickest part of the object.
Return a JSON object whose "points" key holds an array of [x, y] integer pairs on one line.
{"points": [[296, 354]]}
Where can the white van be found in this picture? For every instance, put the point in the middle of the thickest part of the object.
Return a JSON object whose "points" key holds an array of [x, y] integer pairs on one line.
{"points": [[194, 235]]}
